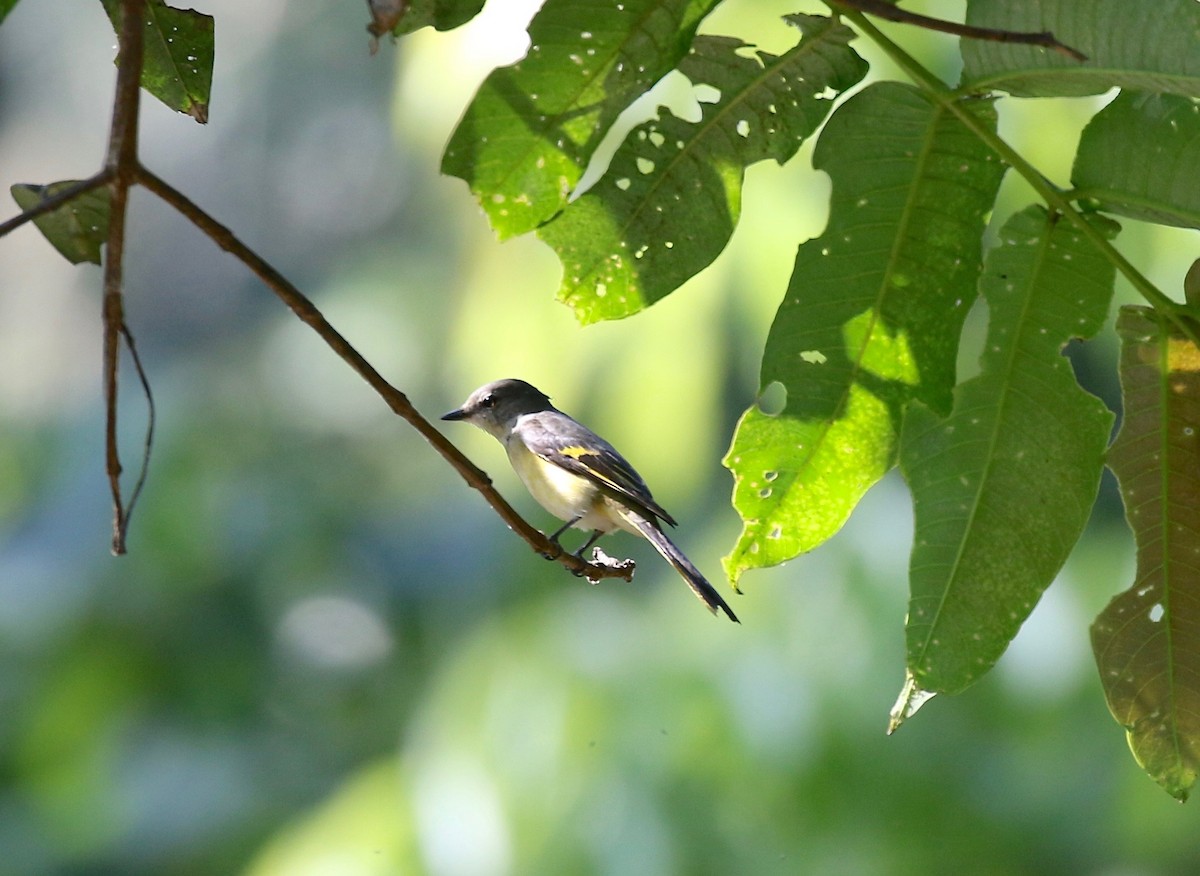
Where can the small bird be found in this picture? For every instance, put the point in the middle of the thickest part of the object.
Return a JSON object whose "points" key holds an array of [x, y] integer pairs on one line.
{"points": [[575, 474]]}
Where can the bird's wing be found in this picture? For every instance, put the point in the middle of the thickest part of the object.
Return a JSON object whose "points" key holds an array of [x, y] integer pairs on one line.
{"points": [[569, 444]]}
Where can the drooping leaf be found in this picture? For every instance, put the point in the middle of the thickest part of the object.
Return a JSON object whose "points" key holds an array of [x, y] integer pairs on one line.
{"points": [[529, 133], [1147, 641], [178, 62], [1151, 46], [870, 320], [1139, 157], [672, 195], [1003, 487], [79, 228]]}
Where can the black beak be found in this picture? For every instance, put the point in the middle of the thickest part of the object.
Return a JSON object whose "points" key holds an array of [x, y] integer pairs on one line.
{"points": [[459, 414]]}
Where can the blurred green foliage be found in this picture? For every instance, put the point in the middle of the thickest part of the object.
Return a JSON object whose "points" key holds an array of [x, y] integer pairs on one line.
{"points": [[323, 655]]}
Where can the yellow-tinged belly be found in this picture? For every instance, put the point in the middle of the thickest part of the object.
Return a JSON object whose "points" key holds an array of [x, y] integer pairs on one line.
{"points": [[563, 494]]}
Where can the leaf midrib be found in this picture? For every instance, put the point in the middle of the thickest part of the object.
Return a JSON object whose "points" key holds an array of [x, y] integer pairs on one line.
{"points": [[952, 580], [898, 239]]}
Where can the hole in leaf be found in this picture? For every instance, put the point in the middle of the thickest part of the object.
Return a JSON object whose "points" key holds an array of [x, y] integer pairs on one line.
{"points": [[773, 399]]}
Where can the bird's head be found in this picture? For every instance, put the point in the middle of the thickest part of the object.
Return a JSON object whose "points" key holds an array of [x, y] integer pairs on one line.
{"points": [[494, 407]]}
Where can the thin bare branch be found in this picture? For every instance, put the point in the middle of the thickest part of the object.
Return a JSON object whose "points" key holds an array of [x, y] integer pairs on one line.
{"points": [[121, 165], [885, 10], [396, 400], [122, 170], [151, 419]]}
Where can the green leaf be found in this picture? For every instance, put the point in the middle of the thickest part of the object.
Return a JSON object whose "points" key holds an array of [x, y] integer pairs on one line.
{"points": [[1191, 285], [6, 6], [78, 228], [438, 14], [1138, 157], [1148, 46], [1147, 641], [178, 62], [871, 319], [529, 133], [672, 194], [1003, 487]]}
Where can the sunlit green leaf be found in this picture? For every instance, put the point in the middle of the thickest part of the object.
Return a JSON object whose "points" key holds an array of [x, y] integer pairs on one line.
{"points": [[1152, 46], [871, 319], [529, 133], [672, 195], [1003, 487], [1138, 157], [77, 229], [178, 62], [1147, 641]]}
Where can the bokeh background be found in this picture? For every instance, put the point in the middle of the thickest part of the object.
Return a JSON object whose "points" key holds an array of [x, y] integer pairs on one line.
{"points": [[325, 656]]}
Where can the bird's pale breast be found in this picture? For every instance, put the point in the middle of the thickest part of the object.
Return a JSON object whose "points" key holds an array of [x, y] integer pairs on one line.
{"points": [[563, 494]]}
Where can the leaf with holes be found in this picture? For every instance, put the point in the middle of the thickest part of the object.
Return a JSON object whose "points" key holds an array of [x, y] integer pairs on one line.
{"points": [[672, 195], [1145, 46], [871, 319], [1003, 487], [77, 229], [178, 62], [1138, 157], [1147, 641], [529, 133]]}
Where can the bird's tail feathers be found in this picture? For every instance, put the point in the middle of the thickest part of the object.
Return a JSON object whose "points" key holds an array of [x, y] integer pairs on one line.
{"points": [[673, 555]]}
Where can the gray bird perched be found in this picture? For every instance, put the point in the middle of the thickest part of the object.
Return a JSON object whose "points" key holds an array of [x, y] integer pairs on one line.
{"points": [[575, 474]]}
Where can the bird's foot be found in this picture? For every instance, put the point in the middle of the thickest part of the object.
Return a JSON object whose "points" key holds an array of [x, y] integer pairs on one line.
{"points": [[556, 551]]}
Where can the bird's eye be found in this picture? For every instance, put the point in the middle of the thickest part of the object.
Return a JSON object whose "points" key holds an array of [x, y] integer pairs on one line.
{"points": [[488, 401]]}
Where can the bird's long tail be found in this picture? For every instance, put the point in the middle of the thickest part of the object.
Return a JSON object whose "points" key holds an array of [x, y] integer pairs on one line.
{"points": [[673, 555]]}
